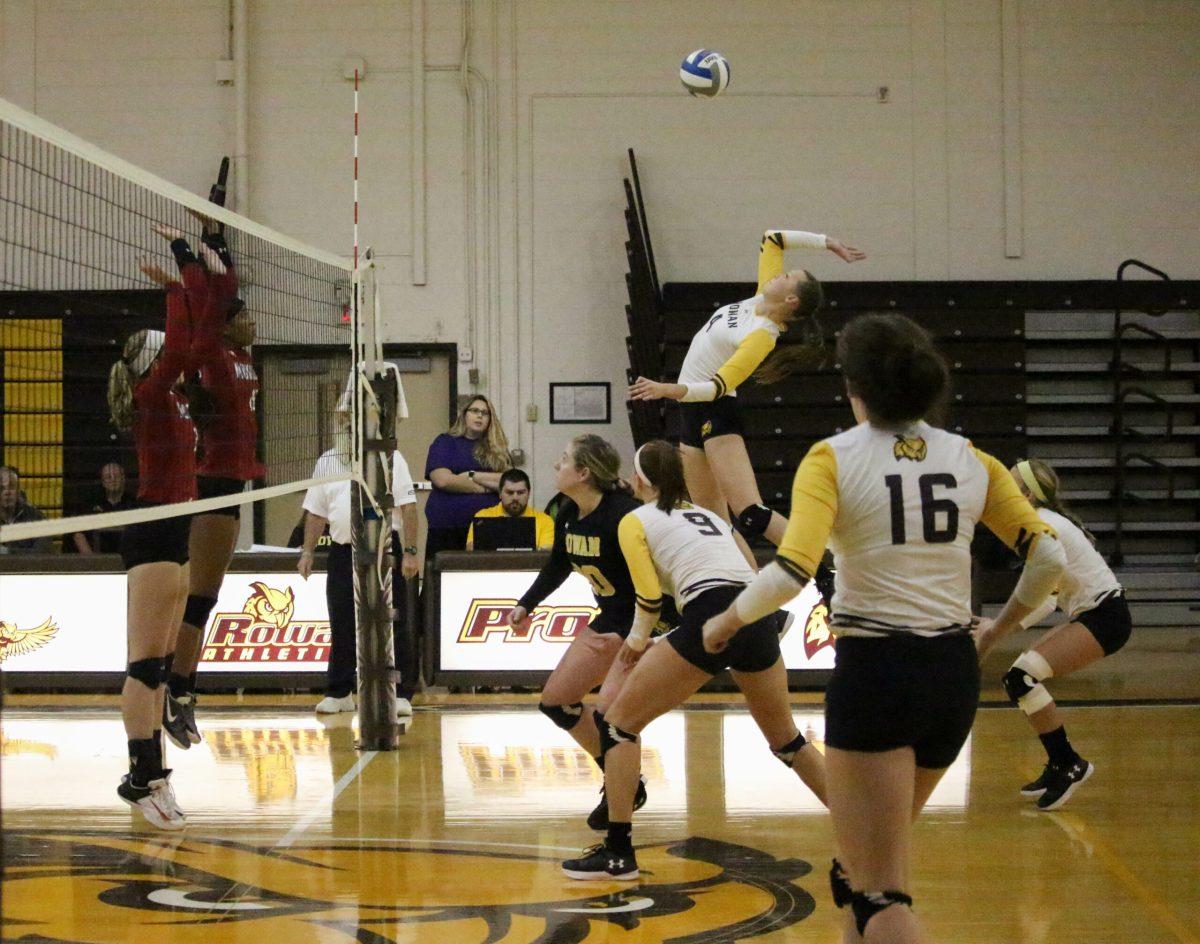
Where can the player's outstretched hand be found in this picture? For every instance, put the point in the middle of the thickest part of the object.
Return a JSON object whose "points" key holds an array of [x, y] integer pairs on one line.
{"points": [[643, 389], [156, 273], [169, 233], [719, 630], [842, 251]]}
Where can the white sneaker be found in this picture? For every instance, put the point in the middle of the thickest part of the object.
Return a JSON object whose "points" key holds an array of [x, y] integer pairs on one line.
{"points": [[403, 709], [155, 801], [332, 706]]}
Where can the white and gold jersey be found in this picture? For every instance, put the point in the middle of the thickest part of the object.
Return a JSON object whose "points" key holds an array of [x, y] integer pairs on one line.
{"points": [[682, 553], [1087, 579], [898, 509], [735, 340]]}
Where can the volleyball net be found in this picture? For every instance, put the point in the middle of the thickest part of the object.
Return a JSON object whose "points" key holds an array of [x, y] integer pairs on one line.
{"points": [[94, 252]]}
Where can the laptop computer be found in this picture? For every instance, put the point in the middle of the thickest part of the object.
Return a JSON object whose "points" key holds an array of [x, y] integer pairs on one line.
{"points": [[505, 534]]}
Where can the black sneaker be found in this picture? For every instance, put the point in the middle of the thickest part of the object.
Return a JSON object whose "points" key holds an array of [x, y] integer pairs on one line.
{"points": [[187, 704], [598, 818], [1064, 782], [175, 721], [600, 862], [1035, 788]]}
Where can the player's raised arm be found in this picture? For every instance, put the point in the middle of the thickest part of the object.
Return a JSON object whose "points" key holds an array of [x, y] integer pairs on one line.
{"points": [[775, 241]]}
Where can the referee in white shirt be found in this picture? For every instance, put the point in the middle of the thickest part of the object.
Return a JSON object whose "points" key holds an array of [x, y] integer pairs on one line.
{"points": [[330, 504]]}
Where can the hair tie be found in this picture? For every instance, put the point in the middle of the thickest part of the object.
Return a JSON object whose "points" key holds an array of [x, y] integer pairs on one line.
{"points": [[1025, 470]]}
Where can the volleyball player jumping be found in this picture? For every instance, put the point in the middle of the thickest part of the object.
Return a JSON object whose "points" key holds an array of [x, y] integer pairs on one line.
{"points": [[227, 450], [1098, 625], [736, 342], [585, 540], [144, 398], [670, 544], [898, 501]]}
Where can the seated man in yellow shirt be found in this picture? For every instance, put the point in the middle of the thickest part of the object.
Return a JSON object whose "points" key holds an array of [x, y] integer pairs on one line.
{"points": [[514, 502]]}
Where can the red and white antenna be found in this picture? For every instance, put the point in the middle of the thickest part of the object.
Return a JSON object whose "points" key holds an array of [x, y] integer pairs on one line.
{"points": [[356, 173]]}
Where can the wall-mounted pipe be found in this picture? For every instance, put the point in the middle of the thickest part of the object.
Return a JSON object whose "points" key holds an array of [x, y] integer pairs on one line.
{"points": [[416, 140], [241, 94]]}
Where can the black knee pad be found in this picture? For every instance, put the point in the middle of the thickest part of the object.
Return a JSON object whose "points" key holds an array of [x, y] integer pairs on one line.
{"points": [[611, 735], [787, 753], [165, 672], [839, 885], [752, 521], [867, 905], [146, 671], [1016, 684], [196, 612], [565, 716]]}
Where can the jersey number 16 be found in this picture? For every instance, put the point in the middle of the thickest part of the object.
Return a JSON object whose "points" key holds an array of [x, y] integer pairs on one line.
{"points": [[930, 508]]}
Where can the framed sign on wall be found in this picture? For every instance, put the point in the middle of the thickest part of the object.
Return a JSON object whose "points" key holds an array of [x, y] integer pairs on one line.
{"points": [[581, 402]]}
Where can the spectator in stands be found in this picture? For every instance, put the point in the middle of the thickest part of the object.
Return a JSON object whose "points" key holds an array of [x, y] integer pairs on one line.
{"points": [[514, 502], [112, 498], [464, 467], [15, 508]]}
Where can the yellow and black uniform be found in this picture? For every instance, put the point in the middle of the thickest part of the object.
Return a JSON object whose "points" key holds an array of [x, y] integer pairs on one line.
{"points": [[725, 352], [590, 547], [898, 508], [543, 525], [690, 553]]}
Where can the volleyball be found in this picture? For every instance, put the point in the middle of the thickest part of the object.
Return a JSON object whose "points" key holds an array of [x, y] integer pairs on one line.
{"points": [[704, 72]]}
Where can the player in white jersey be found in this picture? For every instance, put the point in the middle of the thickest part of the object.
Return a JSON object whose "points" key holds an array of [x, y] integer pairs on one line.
{"points": [[898, 501], [734, 344], [1098, 624], [672, 546]]}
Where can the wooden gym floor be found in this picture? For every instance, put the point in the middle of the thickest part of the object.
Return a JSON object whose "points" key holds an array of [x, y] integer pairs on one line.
{"points": [[456, 837]]}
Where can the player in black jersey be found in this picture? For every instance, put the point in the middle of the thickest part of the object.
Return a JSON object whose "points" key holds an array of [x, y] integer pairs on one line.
{"points": [[585, 540]]}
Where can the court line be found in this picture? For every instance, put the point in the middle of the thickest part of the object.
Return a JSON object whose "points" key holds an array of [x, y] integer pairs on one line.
{"points": [[450, 842], [311, 817], [1075, 827]]}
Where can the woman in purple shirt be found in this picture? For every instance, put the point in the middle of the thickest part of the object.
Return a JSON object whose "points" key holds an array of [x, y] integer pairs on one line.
{"points": [[464, 467]]}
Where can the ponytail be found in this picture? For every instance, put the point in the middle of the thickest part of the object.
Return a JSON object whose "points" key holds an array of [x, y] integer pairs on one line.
{"points": [[598, 456], [120, 396], [658, 462], [810, 353]]}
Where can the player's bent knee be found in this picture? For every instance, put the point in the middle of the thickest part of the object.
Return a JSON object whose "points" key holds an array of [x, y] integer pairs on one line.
{"points": [[197, 610], [1023, 682], [564, 716], [146, 671], [753, 521], [867, 905], [788, 752], [611, 735], [839, 885]]}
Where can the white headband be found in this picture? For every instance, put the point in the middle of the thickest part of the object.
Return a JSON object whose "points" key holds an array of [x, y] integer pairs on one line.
{"points": [[151, 345], [1025, 470], [637, 465]]}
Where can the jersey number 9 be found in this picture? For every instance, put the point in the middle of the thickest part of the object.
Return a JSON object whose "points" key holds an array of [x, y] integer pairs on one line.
{"points": [[930, 508], [703, 522]]}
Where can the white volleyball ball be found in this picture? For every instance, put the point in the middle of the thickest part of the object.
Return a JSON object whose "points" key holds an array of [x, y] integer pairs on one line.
{"points": [[704, 72]]}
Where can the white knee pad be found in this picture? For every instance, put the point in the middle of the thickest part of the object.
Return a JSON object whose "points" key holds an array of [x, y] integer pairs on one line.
{"points": [[1023, 682]]}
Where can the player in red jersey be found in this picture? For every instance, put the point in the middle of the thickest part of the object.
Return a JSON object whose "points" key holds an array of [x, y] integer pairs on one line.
{"points": [[145, 398], [227, 461]]}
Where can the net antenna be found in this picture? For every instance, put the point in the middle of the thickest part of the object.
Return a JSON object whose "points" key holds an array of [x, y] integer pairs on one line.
{"points": [[82, 269], [376, 400]]}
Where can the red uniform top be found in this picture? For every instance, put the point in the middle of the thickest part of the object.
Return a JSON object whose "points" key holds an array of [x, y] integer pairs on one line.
{"points": [[229, 439], [163, 432]]}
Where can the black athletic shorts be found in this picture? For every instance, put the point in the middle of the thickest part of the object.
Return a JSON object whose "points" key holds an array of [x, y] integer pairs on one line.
{"points": [[903, 691], [150, 542], [754, 648], [1109, 622], [212, 487], [703, 421]]}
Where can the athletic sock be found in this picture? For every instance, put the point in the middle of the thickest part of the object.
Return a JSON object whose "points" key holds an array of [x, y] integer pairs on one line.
{"points": [[179, 685], [1058, 748], [145, 761], [620, 837]]}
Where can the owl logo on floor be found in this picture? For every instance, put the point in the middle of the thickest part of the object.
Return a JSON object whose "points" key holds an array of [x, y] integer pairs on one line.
{"points": [[268, 605], [909, 447], [17, 642]]}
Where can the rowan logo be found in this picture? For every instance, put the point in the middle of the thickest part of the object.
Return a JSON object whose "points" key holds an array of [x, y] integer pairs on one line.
{"points": [[910, 447], [266, 632], [17, 642], [489, 617], [170, 889], [817, 634]]}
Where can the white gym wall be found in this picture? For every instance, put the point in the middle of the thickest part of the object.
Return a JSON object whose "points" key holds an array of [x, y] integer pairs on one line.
{"points": [[1019, 139]]}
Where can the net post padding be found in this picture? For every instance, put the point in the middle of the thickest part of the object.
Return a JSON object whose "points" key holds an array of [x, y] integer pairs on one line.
{"points": [[375, 394]]}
